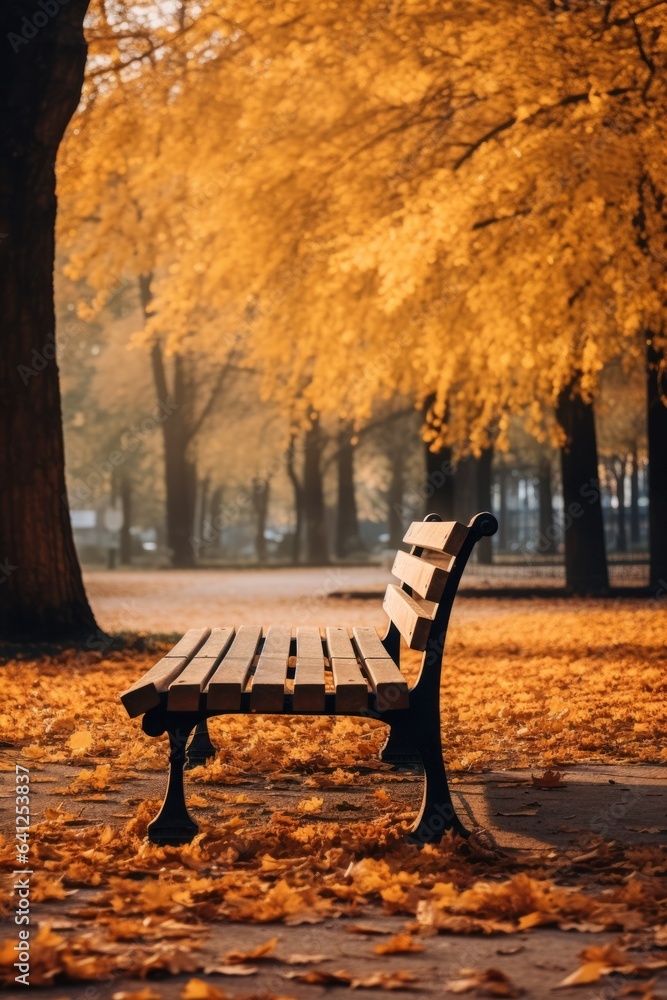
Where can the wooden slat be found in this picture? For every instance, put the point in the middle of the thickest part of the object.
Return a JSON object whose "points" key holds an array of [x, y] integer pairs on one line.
{"points": [[445, 536], [388, 683], [145, 693], [190, 643], [368, 643], [185, 691], [350, 685], [309, 643], [268, 683], [277, 642], [412, 620], [425, 578], [339, 644], [217, 642], [223, 691], [309, 686]]}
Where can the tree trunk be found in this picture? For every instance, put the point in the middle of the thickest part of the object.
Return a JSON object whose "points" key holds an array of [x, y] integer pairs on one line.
{"points": [[439, 488], [180, 471], [618, 470], [483, 470], [395, 495], [585, 556], [290, 467], [41, 588], [313, 497], [634, 498], [502, 508], [546, 544], [657, 468], [125, 553], [260, 502], [348, 540]]}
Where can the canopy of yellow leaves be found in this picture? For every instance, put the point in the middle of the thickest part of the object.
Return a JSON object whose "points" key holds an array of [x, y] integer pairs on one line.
{"points": [[463, 200]]}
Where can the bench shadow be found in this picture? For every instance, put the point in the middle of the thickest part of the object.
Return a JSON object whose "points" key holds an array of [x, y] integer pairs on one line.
{"points": [[592, 804]]}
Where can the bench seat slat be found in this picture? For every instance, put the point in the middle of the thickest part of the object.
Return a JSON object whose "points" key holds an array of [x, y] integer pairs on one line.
{"points": [[189, 644], [445, 536], [369, 644], [427, 580], [268, 683], [309, 685], [224, 688], [388, 683], [277, 642], [185, 691], [351, 687], [309, 643], [339, 644], [145, 693], [412, 620]]}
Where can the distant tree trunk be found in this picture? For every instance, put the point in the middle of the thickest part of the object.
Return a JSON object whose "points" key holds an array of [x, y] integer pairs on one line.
{"points": [[41, 589], [125, 553], [634, 498], [585, 555], [546, 541], [483, 469], [395, 495], [260, 502], [180, 471], [202, 508], [618, 472], [657, 466], [313, 497], [290, 466], [439, 488], [347, 521], [502, 508]]}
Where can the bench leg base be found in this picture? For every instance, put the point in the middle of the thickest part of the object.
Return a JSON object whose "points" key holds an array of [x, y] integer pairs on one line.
{"points": [[437, 815], [201, 749], [400, 751], [173, 824]]}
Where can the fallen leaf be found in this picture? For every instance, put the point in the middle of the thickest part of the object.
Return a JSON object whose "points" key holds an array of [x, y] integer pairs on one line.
{"points": [[398, 944]]}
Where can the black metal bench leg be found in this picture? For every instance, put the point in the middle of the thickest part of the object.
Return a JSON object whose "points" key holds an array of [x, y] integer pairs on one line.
{"points": [[399, 749], [201, 749], [173, 824], [437, 814]]}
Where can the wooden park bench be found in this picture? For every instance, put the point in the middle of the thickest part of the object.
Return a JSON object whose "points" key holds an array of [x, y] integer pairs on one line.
{"points": [[217, 671]]}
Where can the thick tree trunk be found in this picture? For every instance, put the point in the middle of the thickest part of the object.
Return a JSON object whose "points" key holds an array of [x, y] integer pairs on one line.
{"points": [[41, 588], [483, 471], [634, 499], [313, 497], [348, 540], [439, 487], [395, 495], [546, 542], [657, 467], [585, 555], [260, 502], [125, 553]]}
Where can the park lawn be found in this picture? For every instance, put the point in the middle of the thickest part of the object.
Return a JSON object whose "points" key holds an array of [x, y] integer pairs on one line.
{"points": [[562, 684]]}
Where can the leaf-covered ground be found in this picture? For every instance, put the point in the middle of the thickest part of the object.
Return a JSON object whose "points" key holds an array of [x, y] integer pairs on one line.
{"points": [[550, 689]]}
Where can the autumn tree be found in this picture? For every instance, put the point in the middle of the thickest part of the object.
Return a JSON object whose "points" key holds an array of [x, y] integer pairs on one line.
{"points": [[42, 594]]}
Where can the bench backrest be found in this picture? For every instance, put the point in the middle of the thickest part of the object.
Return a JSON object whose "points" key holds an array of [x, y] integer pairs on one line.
{"points": [[429, 574]]}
